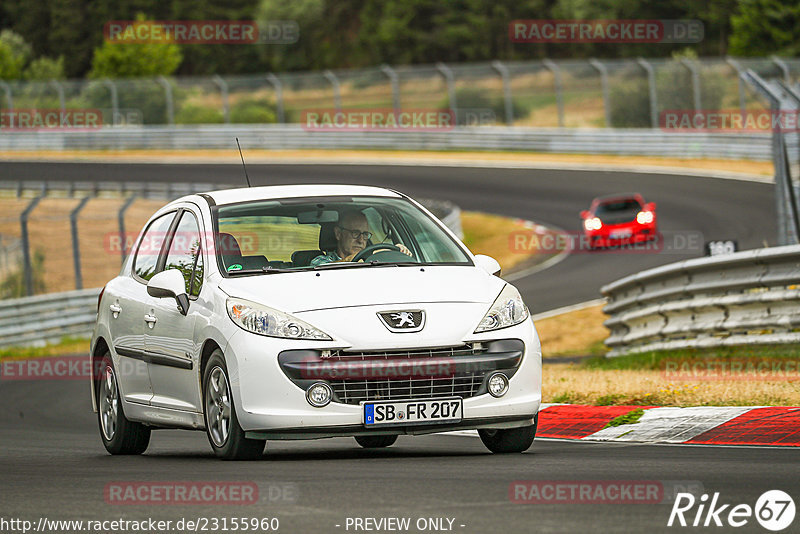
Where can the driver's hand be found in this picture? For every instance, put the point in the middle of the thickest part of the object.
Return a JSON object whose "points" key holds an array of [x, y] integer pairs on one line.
{"points": [[350, 257], [404, 249]]}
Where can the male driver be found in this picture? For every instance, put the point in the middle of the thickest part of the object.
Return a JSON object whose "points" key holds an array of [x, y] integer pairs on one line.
{"points": [[352, 233]]}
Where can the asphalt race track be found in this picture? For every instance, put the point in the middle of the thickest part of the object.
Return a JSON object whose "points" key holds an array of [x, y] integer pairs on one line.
{"points": [[53, 464]]}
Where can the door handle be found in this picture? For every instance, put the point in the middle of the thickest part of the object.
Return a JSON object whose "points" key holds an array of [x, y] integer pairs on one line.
{"points": [[115, 309], [150, 319]]}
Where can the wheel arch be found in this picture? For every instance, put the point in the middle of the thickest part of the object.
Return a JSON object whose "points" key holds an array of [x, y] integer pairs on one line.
{"points": [[101, 347]]}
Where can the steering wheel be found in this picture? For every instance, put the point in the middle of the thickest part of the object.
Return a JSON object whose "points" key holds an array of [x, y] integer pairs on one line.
{"points": [[372, 248]]}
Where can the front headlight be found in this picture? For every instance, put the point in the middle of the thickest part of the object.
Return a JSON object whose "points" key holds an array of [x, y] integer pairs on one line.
{"points": [[267, 321], [507, 310]]}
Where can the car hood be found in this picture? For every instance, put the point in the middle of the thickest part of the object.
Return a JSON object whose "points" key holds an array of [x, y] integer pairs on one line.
{"points": [[366, 286]]}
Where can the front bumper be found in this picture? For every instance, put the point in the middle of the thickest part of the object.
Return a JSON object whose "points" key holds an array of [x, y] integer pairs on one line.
{"points": [[272, 405]]}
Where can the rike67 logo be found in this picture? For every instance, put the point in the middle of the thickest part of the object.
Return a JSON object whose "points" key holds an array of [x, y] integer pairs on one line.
{"points": [[774, 510]]}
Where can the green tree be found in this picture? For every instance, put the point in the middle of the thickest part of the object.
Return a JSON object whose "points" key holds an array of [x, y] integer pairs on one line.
{"points": [[123, 60], [45, 68], [14, 55], [763, 27]]}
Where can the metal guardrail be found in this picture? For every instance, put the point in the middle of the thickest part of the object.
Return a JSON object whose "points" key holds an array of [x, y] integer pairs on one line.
{"points": [[555, 140], [47, 318], [750, 297]]}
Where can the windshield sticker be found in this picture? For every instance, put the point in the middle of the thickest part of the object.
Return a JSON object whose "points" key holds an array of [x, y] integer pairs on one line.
{"points": [[235, 267]]}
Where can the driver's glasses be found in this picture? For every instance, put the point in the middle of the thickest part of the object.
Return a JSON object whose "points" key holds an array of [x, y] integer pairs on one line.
{"points": [[355, 234]]}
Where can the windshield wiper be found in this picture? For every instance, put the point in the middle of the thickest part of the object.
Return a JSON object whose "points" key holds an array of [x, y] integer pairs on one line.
{"points": [[346, 265], [264, 270]]}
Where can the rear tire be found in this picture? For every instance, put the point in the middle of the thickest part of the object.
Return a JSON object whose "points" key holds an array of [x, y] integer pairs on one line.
{"points": [[375, 442], [222, 425], [119, 434], [509, 440]]}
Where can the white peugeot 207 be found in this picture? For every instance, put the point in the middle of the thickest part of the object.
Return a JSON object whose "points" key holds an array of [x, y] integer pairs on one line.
{"points": [[310, 311]]}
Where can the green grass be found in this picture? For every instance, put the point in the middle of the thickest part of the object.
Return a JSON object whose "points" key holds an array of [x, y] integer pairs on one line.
{"points": [[657, 360], [68, 345], [626, 419]]}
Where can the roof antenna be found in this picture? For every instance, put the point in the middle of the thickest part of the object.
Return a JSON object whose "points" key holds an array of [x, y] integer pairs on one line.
{"points": [[243, 165]]}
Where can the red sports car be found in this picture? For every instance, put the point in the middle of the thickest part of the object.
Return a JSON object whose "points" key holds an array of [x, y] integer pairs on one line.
{"points": [[621, 219]]}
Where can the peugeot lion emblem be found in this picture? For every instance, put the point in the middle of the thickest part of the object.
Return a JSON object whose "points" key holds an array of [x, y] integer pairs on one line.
{"points": [[403, 320]]}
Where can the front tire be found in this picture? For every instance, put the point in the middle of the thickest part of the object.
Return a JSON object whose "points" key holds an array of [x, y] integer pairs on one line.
{"points": [[119, 434], [222, 426], [509, 440], [375, 442]]}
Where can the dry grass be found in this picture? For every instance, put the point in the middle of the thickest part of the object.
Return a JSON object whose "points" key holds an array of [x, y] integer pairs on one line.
{"points": [[490, 235], [65, 347], [641, 379], [762, 168], [569, 383], [579, 332]]}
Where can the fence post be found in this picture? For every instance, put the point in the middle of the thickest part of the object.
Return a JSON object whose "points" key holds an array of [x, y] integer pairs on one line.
{"points": [[447, 74], [395, 81], [112, 87], [556, 70], [121, 221], [76, 244], [337, 96], [651, 82], [599, 67], [742, 96], [509, 102], [278, 87], [223, 89], [60, 90], [9, 97], [26, 249], [168, 98], [692, 68], [788, 226], [794, 94], [784, 68]]}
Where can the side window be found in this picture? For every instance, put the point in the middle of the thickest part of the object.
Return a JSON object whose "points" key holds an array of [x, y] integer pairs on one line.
{"points": [[184, 253], [144, 265]]}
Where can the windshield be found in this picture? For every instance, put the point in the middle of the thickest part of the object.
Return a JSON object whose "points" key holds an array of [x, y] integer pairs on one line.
{"points": [[618, 211], [324, 233]]}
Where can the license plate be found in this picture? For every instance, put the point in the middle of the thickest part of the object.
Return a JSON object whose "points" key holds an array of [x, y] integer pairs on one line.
{"points": [[621, 234], [413, 412]]}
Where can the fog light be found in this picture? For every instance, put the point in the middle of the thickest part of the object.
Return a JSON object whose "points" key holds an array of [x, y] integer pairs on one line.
{"points": [[319, 394], [498, 385]]}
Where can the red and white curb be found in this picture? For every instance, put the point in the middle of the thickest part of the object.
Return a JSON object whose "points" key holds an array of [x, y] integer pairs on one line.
{"points": [[709, 425], [775, 426]]}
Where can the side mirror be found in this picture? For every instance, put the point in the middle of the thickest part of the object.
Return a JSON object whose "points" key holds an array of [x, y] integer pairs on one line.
{"points": [[488, 264], [170, 284], [584, 214]]}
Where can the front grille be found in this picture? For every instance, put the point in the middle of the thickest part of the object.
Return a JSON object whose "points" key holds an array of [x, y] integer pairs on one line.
{"points": [[355, 391], [463, 350], [407, 374]]}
